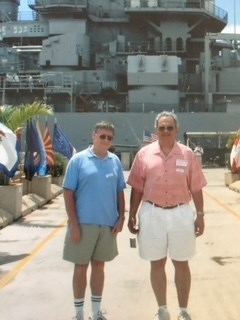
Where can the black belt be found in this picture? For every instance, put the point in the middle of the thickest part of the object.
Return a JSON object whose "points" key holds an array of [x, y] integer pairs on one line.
{"points": [[167, 207]]}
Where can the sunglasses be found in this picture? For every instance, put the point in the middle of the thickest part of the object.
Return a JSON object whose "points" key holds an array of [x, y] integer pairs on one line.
{"points": [[168, 128], [105, 136]]}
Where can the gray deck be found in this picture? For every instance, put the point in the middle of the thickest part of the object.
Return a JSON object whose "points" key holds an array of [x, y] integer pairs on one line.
{"points": [[35, 283]]}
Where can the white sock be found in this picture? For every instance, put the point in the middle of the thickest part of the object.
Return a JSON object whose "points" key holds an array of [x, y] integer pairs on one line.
{"points": [[96, 304], [163, 307], [79, 304]]}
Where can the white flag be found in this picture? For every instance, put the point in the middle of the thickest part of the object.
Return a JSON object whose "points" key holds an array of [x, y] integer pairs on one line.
{"points": [[8, 152]]}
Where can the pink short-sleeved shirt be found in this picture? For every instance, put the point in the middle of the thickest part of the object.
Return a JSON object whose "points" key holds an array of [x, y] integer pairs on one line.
{"points": [[166, 180]]}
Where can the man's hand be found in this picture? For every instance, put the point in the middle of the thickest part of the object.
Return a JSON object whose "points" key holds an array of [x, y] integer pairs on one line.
{"points": [[75, 233], [119, 225], [132, 224], [199, 226]]}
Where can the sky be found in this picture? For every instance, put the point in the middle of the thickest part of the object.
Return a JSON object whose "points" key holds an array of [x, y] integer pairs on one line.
{"points": [[233, 19], [227, 5]]}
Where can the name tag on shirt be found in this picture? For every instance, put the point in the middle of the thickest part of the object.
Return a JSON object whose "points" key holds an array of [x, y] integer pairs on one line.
{"points": [[181, 163], [109, 175], [180, 170]]}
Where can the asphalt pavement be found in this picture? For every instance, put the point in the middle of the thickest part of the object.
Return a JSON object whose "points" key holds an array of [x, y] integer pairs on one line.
{"points": [[36, 283]]}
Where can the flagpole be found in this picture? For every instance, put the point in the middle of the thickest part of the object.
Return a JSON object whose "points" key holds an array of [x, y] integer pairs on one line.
{"points": [[234, 15]]}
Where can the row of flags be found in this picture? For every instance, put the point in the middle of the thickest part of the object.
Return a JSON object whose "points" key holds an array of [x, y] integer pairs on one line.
{"points": [[40, 148]]}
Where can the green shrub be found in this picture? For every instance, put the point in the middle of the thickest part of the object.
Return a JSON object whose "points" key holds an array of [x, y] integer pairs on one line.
{"points": [[59, 168]]}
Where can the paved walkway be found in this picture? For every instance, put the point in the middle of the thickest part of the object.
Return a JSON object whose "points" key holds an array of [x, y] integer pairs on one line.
{"points": [[35, 283]]}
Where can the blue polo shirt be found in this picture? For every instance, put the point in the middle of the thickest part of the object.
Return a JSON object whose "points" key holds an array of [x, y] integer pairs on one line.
{"points": [[96, 183]]}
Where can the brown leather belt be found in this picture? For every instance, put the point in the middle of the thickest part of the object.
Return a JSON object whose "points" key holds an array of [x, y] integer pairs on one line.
{"points": [[167, 207]]}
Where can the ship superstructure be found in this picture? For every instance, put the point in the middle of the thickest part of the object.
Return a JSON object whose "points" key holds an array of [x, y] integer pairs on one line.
{"points": [[119, 55]]}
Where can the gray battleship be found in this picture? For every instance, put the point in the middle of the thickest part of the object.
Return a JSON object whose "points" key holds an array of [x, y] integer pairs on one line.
{"points": [[127, 57], [119, 55]]}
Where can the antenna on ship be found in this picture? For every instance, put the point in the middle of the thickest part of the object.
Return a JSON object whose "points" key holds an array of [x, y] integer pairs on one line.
{"points": [[234, 16]]}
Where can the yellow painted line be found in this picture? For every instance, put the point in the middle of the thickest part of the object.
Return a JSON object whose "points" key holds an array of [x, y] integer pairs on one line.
{"points": [[224, 205], [11, 274]]}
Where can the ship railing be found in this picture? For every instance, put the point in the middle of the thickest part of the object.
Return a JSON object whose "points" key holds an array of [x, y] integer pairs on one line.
{"points": [[151, 107], [39, 81], [194, 106], [27, 16], [109, 84], [45, 3], [178, 4], [144, 47], [135, 46], [56, 80], [151, 47], [95, 87], [104, 13], [88, 87], [10, 81]]}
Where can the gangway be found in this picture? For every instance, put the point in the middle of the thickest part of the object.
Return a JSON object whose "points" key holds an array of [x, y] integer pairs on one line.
{"points": [[214, 144]]}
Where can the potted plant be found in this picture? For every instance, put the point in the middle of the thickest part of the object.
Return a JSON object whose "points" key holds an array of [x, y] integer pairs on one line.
{"points": [[58, 170], [15, 117]]}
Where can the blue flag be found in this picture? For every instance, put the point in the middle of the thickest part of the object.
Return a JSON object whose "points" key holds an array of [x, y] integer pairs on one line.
{"points": [[33, 151], [61, 143], [42, 170]]}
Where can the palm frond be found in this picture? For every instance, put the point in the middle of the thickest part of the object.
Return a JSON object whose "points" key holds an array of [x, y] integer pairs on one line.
{"points": [[5, 112], [16, 117]]}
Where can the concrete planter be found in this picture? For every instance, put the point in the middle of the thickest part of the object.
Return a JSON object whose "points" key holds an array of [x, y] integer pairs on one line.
{"points": [[230, 177], [39, 185], [11, 199], [58, 180]]}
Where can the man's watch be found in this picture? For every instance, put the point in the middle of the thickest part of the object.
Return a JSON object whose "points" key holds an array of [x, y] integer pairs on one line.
{"points": [[200, 213]]}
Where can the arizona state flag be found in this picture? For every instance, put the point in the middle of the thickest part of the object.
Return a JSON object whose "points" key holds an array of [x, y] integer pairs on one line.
{"points": [[48, 147]]}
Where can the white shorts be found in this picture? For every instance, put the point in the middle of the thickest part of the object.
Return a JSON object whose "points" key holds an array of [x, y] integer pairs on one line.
{"points": [[165, 232]]}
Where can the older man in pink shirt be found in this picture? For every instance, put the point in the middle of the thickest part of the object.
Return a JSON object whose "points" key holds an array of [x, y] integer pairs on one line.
{"points": [[165, 177]]}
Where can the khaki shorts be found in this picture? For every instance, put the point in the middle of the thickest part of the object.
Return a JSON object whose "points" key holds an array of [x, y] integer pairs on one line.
{"points": [[97, 243], [166, 232]]}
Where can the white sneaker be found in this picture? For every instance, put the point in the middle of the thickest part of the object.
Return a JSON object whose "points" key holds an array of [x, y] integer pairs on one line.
{"points": [[183, 315], [162, 314], [99, 316], [79, 316]]}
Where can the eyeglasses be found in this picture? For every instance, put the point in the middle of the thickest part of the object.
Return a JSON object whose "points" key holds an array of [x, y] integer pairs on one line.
{"points": [[105, 136], [168, 128]]}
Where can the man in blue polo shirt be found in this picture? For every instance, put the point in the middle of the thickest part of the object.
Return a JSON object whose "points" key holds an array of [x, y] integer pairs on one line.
{"points": [[94, 200]]}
